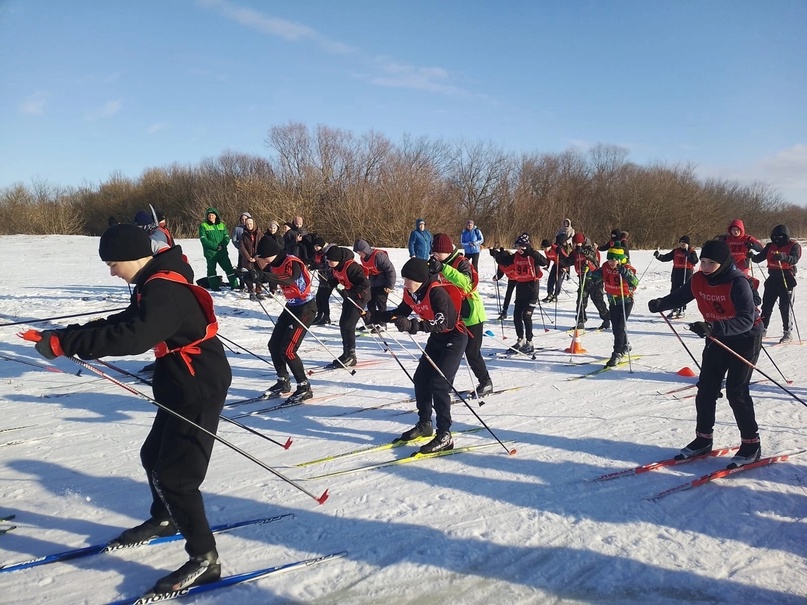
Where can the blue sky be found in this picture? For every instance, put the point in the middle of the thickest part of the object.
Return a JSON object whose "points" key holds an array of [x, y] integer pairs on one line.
{"points": [[94, 87]]}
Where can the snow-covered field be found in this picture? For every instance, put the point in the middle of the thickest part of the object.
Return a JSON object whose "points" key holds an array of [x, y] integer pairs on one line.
{"points": [[476, 527]]}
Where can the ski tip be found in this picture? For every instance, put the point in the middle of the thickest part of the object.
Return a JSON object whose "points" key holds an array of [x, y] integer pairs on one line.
{"points": [[352, 372], [489, 333], [310, 372], [481, 402], [288, 443], [323, 497], [512, 452]]}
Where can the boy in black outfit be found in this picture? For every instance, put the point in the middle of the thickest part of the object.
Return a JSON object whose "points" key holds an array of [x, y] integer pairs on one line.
{"points": [[351, 282], [172, 315], [781, 254], [438, 306], [684, 259]]}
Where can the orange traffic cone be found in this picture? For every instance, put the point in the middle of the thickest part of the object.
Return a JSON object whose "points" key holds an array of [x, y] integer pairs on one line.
{"points": [[575, 347], [686, 371]]}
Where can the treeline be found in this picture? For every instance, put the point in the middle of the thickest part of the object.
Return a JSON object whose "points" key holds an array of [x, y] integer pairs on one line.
{"points": [[347, 186]]}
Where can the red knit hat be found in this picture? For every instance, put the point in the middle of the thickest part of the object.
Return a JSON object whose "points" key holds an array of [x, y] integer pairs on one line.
{"points": [[442, 243]]}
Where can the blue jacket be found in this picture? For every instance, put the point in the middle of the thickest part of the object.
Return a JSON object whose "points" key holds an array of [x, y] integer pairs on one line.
{"points": [[472, 240], [420, 243]]}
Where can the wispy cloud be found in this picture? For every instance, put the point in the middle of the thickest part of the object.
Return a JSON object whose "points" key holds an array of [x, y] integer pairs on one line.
{"points": [[34, 105], [379, 71], [156, 127], [107, 110]]}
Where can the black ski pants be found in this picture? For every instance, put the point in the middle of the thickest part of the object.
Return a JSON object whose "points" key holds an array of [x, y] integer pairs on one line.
{"points": [[287, 337], [593, 292], [777, 288], [431, 389], [347, 324], [620, 311], [324, 299], [473, 351]]}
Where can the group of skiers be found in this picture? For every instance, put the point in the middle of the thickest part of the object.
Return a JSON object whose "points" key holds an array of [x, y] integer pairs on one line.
{"points": [[171, 314]]}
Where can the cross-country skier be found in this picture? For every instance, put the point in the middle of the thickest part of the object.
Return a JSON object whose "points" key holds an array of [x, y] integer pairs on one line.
{"points": [[684, 258]]}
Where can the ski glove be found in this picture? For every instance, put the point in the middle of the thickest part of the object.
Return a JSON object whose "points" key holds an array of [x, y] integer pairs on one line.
{"points": [[251, 276], [701, 328], [49, 346], [654, 306], [623, 270], [404, 324], [435, 266], [656, 254]]}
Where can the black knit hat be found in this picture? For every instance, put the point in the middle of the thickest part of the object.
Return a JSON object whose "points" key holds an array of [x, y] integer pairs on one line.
{"points": [[124, 242], [545, 243], [415, 269], [268, 246], [685, 239], [318, 241], [716, 250], [522, 240], [339, 254]]}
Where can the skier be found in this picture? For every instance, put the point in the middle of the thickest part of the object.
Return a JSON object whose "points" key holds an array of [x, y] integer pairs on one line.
{"points": [[381, 272], [350, 280], [557, 254], [438, 306], [320, 266], [175, 317], [740, 243], [453, 267], [526, 264], [724, 298], [619, 280], [782, 255], [684, 259], [214, 237], [619, 239], [586, 258], [510, 272], [471, 240], [294, 280]]}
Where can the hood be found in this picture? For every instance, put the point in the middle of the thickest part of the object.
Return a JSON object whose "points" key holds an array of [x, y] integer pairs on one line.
{"points": [[564, 225], [736, 223], [362, 246], [418, 221], [214, 211], [780, 235]]}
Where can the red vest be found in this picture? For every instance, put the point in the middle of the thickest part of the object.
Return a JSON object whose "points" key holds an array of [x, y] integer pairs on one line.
{"points": [[509, 271], [368, 264], [206, 302], [774, 263], [424, 310], [681, 259], [714, 302], [294, 291], [474, 275], [341, 274], [581, 262], [611, 280], [525, 269]]}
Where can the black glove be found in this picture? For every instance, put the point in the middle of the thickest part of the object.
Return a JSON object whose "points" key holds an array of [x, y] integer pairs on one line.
{"points": [[528, 250], [623, 270], [777, 255], [749, 254], [701, 328], [749, 244], [251, 276], [404, 324], [654, 306], [656, 254], [435, 266], [43, 347]]}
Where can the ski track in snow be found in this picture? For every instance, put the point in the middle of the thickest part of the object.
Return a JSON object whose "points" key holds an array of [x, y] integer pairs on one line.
{"points": [[477, 527]]}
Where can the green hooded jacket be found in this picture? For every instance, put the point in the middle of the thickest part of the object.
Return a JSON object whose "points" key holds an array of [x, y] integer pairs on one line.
{"points": [[214, 236], [475, 309]]}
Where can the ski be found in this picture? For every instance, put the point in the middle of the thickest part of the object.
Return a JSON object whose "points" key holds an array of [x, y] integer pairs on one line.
{"points": [[331, 366], [380, 448], [719, 474], [7, 518], [15, 428], [416, 457], [33, 365], [644, 468], [285, 405], [262, 397], [7, 529], [598, 371], [98, 549], [227, 581]]}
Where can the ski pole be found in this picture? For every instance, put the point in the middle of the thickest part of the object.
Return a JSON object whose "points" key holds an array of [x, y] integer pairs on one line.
{"points": [[475, 395], [501, 309], [120, 370], [791, 310], [751, 365], [625, 319], [431, 361], [678, 336], [775, 366], [255, 355], [260, 302], [34, 336], [36, 321], [648, 265], [314, 336]]}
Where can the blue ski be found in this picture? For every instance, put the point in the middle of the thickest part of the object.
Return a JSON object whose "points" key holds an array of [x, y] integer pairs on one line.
{"points": [[99, 549], [227, 581]]}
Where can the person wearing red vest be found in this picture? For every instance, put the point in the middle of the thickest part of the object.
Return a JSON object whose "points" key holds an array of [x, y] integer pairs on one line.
{"points": [[618, 278], [781, 254], [169, 313], [381, 273], [438, 307], [684, 259], [291, 275], [321, 268], [501, 271], [557, 254], [741, 245], [724, 298], [585, 258], [350, 280], [525, 265]]}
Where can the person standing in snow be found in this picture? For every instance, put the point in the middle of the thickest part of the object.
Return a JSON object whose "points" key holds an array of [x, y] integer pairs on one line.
{"points": [[148, 223], [350, 280], [684, 259], [437, 305], [163, 227], [291, 275], [555, 253], [565, 233], [381, 272], [471, 240], [619, 280], [214, 237], [320, 266], [586, 258], [619, 239], [740, 244], [247, 249], [526, 264], [235, 238], [169, 313], [453, 267], [501, 271], [420, 241], [782, 254], [725, 299]]}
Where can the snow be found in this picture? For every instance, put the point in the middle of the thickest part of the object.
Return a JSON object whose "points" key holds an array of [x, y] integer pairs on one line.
{"points": [[476, 527]]}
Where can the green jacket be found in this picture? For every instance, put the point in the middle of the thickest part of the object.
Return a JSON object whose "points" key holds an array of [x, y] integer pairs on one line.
{"points": [[214, 236], [473, 311]]}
